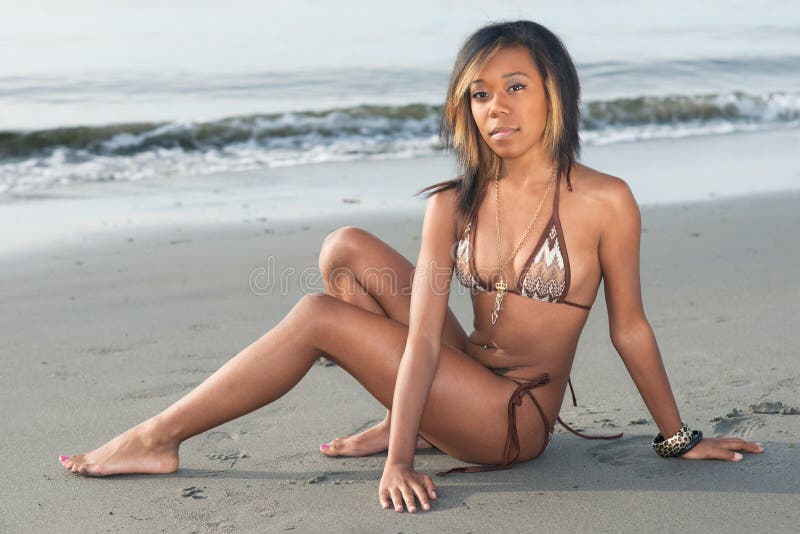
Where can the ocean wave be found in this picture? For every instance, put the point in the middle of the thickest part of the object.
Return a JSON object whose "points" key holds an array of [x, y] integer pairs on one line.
{"points": [[42, 158]]}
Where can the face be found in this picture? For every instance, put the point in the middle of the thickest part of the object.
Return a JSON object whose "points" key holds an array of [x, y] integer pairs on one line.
{"points": [[508, 103]]}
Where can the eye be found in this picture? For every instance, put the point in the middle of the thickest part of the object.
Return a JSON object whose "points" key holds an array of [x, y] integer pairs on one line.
{"points": [[479, 95], [516, 87]]}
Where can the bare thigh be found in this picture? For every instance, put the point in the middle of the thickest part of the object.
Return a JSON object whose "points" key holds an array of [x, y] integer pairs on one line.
{"points": [[466, 414], [359, 268]]}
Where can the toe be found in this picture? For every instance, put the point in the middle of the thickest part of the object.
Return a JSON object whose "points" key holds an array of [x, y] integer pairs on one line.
{"points": [[332, 448], [73, 462]]}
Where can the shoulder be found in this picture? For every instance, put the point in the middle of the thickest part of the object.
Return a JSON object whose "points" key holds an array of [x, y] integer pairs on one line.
{"points": [[600, 186], [441, 212], [606, 193], [444, 200], [443, 205]]}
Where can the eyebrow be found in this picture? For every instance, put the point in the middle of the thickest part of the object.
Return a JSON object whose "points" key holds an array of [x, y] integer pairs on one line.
{"points": [[509, 75]]}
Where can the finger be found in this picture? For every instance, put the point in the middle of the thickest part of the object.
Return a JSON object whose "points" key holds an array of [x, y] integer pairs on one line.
{"points": [[383, 496], [737, 444], [719, 453], [430, 487], [408, 496], [421, 494], [397, 499]]}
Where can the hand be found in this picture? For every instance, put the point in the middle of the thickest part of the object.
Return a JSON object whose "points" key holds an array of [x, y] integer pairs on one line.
{"points": [[722, 449], [401, 483]]}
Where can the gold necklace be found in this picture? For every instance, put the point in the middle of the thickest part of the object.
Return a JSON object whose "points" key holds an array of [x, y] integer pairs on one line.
{"points": [[500, 286]]}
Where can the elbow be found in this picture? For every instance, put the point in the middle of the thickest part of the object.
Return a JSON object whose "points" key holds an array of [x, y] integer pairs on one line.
{"points": [[632, 334], [619, 338]]}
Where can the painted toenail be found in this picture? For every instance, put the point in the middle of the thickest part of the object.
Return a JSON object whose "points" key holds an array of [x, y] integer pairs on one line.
{"points": [[324, 446], [63, 458]]}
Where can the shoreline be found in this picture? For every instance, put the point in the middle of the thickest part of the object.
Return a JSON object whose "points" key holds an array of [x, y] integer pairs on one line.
{"points": [[660, 172]]}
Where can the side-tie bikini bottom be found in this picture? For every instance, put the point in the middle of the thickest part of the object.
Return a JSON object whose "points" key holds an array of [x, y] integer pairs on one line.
{"points": [[512, 448]]}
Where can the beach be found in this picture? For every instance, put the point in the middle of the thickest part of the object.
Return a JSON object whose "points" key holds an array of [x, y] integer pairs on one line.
{"points": [[106, 325], [169, 172]]}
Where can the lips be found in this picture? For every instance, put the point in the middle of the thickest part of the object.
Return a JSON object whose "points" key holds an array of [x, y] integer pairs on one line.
{"points": [[502, 132]]}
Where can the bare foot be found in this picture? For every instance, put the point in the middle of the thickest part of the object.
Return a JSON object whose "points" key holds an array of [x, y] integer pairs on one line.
{"points": [[134, 451], [370, 441]]}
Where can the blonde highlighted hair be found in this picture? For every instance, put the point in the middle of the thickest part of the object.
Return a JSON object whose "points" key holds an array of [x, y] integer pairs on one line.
{"points": [[477, 161]]}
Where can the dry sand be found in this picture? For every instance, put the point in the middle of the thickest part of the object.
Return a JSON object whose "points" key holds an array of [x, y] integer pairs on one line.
{"points": [[98, 336]]}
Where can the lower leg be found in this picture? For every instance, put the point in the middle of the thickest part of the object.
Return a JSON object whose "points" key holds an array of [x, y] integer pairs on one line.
{"points": [[258, 375], [341, 282]]}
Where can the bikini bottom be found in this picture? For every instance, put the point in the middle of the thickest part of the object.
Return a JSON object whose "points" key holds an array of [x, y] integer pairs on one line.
{"points": [[512, 449]]}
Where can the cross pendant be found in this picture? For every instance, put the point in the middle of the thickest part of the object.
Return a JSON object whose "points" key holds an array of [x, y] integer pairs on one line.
{"points": [[500, 288]]}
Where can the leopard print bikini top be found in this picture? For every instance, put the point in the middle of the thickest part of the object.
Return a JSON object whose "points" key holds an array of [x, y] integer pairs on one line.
{"points": [[546, 275]]}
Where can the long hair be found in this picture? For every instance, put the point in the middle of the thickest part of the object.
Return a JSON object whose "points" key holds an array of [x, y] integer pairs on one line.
{"points": [[477, 162]]}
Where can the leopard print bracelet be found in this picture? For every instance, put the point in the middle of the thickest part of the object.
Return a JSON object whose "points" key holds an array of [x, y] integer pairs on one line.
{"points": [[683, 440], [697, 437]]}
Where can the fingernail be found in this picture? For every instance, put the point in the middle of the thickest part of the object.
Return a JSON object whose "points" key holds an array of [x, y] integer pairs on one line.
{"points": [[412, 509], [737, 456], [324, 446], [63, 458], [426, 506], [760, 445], [434, 494], [398, 508]]}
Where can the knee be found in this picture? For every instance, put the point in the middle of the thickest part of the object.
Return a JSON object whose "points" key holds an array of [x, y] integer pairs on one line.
{"points": [[312, 308], [338, 247]]}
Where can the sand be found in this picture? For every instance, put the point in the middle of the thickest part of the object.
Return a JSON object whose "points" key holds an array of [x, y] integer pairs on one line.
{"points": [[100, 334]]}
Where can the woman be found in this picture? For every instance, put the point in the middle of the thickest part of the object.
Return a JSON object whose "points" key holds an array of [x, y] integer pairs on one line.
{"points": [[505, 226]]}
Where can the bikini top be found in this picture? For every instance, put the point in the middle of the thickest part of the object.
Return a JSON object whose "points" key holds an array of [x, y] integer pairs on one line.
{"points": [[546, 275]]}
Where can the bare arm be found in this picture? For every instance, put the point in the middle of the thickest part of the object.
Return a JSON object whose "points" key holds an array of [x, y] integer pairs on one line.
{"points": [[630, 331], [429, 297]]}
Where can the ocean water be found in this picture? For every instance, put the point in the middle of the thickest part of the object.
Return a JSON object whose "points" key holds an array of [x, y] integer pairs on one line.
{"points": [[123, 91]]}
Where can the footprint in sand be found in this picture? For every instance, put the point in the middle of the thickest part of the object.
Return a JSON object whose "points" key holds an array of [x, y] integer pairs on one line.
{"points": [[738, 424], [635, 455], [626, 451], [777, 407], [222, 447]]}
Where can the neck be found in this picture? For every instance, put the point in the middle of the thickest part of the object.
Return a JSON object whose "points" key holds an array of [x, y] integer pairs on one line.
{"points": [[532, 170]]}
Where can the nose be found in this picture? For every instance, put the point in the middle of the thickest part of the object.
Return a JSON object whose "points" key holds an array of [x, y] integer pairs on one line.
{"points": [[498, 106]]}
